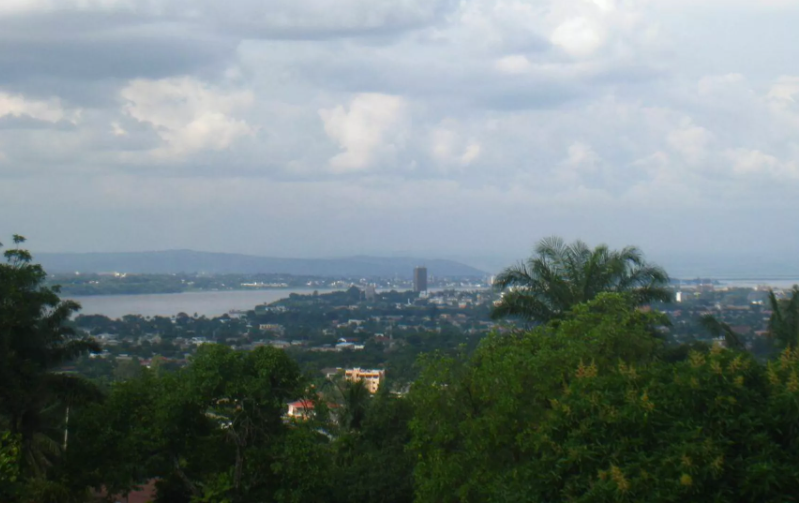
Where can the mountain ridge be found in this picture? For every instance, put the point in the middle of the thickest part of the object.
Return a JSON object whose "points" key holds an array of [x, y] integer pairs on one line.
{"points": [[175, 261]]}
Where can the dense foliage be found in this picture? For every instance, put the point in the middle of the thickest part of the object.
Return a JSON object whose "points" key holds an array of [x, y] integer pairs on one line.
{"points": [[562, 275], [215, 431], [592, 406], [34, 340], [588, 411]]}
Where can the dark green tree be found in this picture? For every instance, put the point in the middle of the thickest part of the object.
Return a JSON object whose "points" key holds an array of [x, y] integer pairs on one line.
{"points": [[561, 275], [372, 463], [585, 410], [721, 329], [354, 404], [9, 467], [35, 340], [717, 427], [212, 431], [469, 413], [784, 320]]}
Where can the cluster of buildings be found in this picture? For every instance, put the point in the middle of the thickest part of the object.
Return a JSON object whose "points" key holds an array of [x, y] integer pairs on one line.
{"points": [[303, 408]]}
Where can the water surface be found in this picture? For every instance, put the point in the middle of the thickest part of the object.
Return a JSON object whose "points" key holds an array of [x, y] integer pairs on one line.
{"points": [[207, 303]]}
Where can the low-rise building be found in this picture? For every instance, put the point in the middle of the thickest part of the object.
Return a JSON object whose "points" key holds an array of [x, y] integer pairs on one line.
{"points": [[331, 372], [370, 378], [301, 409], [304, 409], [278, 329]]}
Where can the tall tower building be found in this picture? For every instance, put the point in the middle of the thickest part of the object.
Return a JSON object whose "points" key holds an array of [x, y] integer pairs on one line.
{"points": [[420, 279]]}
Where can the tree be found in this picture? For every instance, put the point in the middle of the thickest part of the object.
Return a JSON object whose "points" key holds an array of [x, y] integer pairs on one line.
{"points": [[716, 427], [468, 413], [784, 321], [721, 329], [355, 402], [548, 285], [783, 325], [371, 464], [127, 369], [211, 431], [586, 411], [9, 467], [35, 340]]}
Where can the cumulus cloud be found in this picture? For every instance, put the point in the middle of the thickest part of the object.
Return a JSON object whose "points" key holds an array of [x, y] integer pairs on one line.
{"points": [[751, 162], [690, 140], [582, 156], [579, 37], [785, 90], [450, 148], [369, 131], [45, 110], [514, 64], [495, 108], [278, 18], [187, 114]]}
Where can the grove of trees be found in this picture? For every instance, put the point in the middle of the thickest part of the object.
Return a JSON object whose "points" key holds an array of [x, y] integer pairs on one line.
{"points": [[588, 404]]}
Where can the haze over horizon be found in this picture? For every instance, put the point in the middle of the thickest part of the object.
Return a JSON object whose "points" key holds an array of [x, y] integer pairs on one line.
{"points": [[463, 130]]}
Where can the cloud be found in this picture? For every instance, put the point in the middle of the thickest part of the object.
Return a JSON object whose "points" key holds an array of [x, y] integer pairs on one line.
{"points": [[751, 162], [44, 110], [514, 64], [580, 37], [547, 115], [690, 140], [369, 131], [278, 19], [449, 148], [583, 156], [187, 114], [784, 91]]}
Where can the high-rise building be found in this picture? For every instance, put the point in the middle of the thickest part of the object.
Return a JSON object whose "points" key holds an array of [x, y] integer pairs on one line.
{"points": [[420, 279]]}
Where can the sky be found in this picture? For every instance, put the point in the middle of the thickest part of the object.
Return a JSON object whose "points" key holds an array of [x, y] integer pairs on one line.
{"points": [[434, 128]]}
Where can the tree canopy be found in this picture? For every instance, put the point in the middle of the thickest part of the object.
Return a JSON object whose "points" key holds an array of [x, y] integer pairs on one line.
{"points": [[35, 339], [588, 406], [560, 276], [586, 410]]}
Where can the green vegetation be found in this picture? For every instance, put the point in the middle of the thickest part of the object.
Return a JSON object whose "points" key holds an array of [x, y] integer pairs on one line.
{"points": [[589, 411], [34, 340], [561, 276], [593, 405], [784, 321]]}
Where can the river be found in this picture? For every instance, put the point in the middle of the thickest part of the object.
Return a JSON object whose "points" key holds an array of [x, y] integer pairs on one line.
{"points": [[754, 283], [203, 303], [207, 303]]}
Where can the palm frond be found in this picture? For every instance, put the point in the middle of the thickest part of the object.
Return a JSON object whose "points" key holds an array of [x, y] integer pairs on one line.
{"points": [[523, 305], [560, 276], [721, 329], [72, 389]]}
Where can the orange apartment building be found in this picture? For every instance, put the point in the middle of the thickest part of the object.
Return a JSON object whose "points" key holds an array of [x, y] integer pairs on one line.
{"points": [[371, 378]]}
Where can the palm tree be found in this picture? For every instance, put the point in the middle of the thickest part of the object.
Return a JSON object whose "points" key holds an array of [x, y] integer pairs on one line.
{"points": [[784, 322], [721, 329], [34, 341], [562, 275]]}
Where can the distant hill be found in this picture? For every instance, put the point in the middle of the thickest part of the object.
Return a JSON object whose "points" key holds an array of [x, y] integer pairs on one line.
{"points": [[186, 261]]}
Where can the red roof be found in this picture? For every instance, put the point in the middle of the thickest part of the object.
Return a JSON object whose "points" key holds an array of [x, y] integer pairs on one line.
{"points": [[146, 493], [309, 404]]}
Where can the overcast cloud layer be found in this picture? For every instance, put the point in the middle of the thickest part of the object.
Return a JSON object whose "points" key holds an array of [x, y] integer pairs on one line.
{"points": [[462, 129]]}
